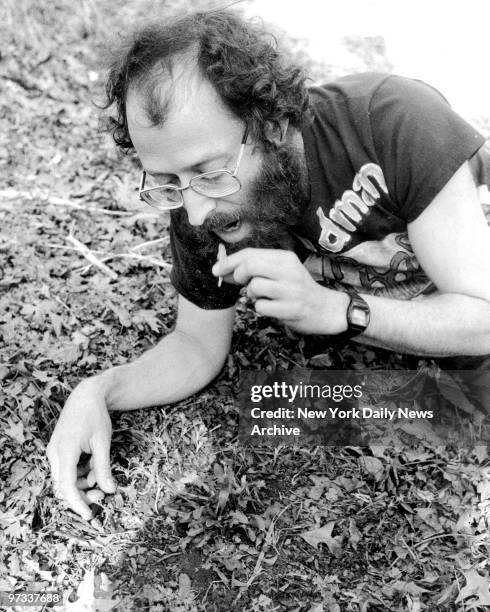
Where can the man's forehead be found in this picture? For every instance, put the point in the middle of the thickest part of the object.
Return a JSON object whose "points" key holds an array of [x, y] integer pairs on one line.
{"points": [[197, 125], [175, 114], [183, 96]]}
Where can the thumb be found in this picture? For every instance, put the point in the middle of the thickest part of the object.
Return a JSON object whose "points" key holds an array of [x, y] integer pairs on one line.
{"points": [[102, 465]]}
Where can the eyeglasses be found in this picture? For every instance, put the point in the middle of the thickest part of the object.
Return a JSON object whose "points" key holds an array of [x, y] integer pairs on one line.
{"points": [[215, 184]]}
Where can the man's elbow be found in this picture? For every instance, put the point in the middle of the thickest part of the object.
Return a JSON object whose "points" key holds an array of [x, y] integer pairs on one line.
{"points": [[482, 336], [211, 358]]}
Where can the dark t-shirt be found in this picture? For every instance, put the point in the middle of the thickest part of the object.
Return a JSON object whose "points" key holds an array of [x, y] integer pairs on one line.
{"points": [[379, 148]]}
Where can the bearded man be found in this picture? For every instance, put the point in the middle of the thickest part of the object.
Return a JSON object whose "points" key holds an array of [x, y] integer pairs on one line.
{"points": [[349, 210]]}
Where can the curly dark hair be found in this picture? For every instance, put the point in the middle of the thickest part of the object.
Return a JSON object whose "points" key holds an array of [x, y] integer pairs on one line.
{"points": [[238, 57]]}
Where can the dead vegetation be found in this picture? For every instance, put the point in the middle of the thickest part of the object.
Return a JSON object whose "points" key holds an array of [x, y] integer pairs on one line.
{"points": [[198, 522]]}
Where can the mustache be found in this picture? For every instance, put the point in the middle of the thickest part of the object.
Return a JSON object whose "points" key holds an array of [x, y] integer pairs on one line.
{"points": [[219, 220]]}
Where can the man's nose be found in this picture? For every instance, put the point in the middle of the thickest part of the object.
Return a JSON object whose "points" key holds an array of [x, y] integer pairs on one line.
{"points": [[197, 207]]}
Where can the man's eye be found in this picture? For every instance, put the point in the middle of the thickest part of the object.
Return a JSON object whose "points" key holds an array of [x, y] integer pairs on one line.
{"points": [[212, 178], [168, 180]]}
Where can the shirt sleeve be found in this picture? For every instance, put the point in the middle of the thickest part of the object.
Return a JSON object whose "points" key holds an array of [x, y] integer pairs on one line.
{"points": [[420, 141], [194, 254]]}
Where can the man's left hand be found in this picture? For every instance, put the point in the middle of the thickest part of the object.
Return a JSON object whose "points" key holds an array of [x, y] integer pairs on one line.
{"points": [[282, 288]]}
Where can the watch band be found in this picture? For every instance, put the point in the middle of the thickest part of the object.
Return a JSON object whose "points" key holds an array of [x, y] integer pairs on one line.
{"points": [[358, 316]]}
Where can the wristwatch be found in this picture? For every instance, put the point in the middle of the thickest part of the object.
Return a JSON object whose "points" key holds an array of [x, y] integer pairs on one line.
{"points": [[358, 315]]}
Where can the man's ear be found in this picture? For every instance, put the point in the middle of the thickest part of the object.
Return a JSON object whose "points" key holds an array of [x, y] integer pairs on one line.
{"points": [[277, 133]]}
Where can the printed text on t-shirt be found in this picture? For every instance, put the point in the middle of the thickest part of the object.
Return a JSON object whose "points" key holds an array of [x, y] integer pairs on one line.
{"points": [[351, 208]]}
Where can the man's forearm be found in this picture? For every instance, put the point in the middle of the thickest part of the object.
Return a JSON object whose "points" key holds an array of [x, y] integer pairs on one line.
{"points": [[175, 368], [440, 325]]}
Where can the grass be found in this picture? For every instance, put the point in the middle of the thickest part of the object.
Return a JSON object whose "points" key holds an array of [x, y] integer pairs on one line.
{"points": [[198, 522]]}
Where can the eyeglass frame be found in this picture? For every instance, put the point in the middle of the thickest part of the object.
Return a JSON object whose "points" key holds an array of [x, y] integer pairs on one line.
{"points": [[142, 190]]}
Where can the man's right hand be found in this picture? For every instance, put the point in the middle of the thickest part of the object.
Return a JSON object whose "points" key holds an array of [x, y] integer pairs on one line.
{"points": [[84, 426]]}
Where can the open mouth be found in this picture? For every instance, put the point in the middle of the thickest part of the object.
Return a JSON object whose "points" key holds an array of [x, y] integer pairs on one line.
{"points": [[231, 227], [235, 231]]}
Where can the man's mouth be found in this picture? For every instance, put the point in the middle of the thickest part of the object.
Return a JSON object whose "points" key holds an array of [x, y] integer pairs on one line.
{"points": [[233, 226], [234, 231]]}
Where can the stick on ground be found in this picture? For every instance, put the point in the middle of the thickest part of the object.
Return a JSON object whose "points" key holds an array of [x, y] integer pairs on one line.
{"points": [[87, 253]]}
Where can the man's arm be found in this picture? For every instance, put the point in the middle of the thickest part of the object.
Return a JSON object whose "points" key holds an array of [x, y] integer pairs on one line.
{"points": [[450, 238], [183, 362]]}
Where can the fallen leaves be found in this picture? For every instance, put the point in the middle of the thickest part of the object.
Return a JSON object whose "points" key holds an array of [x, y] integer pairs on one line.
{"points": [[323, 535], [15, 430], [264, 523], [372, 466], [94, 594], [476, 589]]}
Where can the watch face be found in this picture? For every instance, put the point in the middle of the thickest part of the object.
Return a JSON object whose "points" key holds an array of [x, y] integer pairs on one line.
{"points": [[359, 317], [358, 314]]}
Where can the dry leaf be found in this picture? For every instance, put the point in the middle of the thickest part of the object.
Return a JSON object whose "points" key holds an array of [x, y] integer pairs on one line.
{"points": [[323, 535], [451, 390], [355, 535], [184, 586], [16, 431], [411, 588], [476, 586], [373, 466], [87, 600]]}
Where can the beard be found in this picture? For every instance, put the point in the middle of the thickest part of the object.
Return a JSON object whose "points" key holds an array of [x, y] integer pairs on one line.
{"points": [[276, 201]]}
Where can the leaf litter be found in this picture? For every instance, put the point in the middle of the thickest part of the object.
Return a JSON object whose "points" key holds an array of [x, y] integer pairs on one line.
{"points": [[197, 523]]}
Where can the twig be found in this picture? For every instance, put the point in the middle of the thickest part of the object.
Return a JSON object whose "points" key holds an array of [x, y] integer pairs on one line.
{"points": [[63, 303], [11, 194], [445, 535], [56, 201], [21, 82], [156, 262], [221, 255], [87, 253], [67, 248], [45, 60], [143, 245]]}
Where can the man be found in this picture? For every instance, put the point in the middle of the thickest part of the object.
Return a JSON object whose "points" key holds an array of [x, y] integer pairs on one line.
{"points": [[367, 185]]}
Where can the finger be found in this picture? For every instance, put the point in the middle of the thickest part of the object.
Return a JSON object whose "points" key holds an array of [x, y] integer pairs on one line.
{"points": [[253, 268], [102, 464], [75, 499], [83, 470], [66, 485], [91, 478], [247, 263], [63, 491], [85, 497], [254, 265], [53, 461], [260, 287], [275, 308], [86, 482], [274, 255], [82, 483], [229, 279], [95, 496]]}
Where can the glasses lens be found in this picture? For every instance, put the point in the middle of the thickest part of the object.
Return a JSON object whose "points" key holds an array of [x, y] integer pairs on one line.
{"points": [[162, 198], [216, 184]]}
